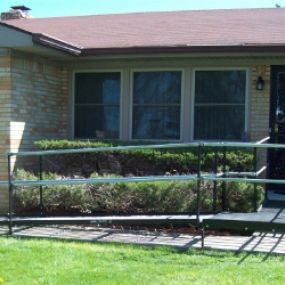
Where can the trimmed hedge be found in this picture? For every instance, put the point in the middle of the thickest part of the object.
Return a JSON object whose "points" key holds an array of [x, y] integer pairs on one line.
{"points": [[137, 162], [69, 144], [127, 198]]}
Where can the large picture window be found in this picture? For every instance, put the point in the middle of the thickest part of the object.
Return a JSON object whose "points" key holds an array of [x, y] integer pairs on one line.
{"points": [[220, 97], [156, 105], [97, 105]]}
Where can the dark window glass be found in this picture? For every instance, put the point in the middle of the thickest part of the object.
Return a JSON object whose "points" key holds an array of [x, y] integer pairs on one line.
{"points": [[156, 105], [157, 87], [220, 86], [219, 122], [220, 105], [156, 122], [97, 105]]}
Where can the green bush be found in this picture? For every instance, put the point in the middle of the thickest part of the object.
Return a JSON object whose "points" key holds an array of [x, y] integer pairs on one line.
{"points": [[59, 199], [241, 196], [158, 197], [126, 198], [68, 144], [137, 162]]}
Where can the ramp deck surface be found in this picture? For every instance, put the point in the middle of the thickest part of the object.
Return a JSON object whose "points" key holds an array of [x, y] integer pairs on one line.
{"points": [[270, 218], [131, 219]]}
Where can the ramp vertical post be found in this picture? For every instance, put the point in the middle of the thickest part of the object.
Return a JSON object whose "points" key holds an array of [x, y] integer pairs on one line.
{"points": [[41, 187], [224, 203], [198, 184], [215, 182], [255, 185], [10, 185], [202, 238]]}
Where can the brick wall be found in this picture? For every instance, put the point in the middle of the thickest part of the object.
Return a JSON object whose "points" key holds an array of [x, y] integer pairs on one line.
{"points": [[259, 109], [5, 106], [259, 105], [39, 101], [36, 96]]}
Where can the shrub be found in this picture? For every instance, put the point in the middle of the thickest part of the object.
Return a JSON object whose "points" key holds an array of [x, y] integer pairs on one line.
{"points": [[68, 144], [60, 199], [137, 162], [126, 198], [241, 196], [155, 197]]}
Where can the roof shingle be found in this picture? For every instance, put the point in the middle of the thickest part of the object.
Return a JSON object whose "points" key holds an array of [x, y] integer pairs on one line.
{"points": [[164, 29]]}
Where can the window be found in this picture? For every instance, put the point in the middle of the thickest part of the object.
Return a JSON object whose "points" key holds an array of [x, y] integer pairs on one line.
{"points": [[97, 105], [220, 105], [156, 105]]}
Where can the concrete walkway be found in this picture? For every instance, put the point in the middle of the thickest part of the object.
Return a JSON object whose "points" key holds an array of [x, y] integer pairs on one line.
{"points": [[259, 242]]}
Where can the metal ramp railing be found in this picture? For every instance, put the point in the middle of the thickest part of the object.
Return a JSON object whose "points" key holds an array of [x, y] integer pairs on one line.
{"points": [[199, 177]]}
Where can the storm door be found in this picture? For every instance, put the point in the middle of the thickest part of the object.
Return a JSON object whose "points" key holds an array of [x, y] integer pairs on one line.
{"points": [[276, 157]]}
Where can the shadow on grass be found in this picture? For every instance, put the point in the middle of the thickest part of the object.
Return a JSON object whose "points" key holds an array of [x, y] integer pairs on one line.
{"points": [[187, 248]]}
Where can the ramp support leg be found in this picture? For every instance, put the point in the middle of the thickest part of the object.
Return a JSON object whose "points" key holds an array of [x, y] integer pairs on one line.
{"points": [[202, 237], [224, 188], [215, 183], [255, 206], [10, 213], [198, 206], [41, 187]]}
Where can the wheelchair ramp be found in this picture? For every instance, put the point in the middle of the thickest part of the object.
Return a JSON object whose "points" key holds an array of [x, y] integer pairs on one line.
{"points": [[182, 220], [270, 219]]}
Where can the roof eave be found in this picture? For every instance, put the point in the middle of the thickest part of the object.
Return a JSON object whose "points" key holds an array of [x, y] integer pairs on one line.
{"points": [[183, 49], [50, 42]]}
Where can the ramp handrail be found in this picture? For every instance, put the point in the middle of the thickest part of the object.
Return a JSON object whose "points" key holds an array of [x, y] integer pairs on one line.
{"points": [[199, 177], [155, 146]]}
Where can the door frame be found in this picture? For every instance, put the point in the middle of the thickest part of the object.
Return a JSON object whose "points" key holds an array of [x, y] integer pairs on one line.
{"points": [[273, 98], [274, 69]]}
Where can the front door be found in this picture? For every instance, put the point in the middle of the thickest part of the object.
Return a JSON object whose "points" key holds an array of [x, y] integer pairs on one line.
{"points": [[276, 157]]}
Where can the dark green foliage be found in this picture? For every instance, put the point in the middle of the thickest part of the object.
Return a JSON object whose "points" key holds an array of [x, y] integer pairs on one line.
{"points": [[126, 198], [241, 196], [68, 144], [158, 197], [137, 162]]}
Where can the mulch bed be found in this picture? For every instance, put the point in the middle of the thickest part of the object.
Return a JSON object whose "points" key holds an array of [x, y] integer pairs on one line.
{"points": [[191, 230]]}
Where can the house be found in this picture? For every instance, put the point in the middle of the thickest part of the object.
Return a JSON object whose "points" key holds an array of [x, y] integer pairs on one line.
{"points": [[171, 76]]}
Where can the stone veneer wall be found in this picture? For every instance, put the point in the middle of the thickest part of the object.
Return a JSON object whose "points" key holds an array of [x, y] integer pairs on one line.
{"points": [[34, 105]]}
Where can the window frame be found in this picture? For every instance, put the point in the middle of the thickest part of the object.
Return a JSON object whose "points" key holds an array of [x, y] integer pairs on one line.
{"points": [[120, 71], [187, 113], [246, 103], [131, 101]]}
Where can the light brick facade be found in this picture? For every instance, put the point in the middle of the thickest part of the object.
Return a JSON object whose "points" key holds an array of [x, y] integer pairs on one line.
{"points": [[34, 105], [39, 101], [260, 110], [259, 103], [5, 117], [36, 96]]}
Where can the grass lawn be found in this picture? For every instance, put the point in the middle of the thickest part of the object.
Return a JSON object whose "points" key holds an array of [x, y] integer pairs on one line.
{"points": [[35, 262]]}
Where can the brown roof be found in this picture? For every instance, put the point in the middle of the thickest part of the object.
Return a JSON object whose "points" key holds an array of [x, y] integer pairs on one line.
{"points": [[182, 29]]}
